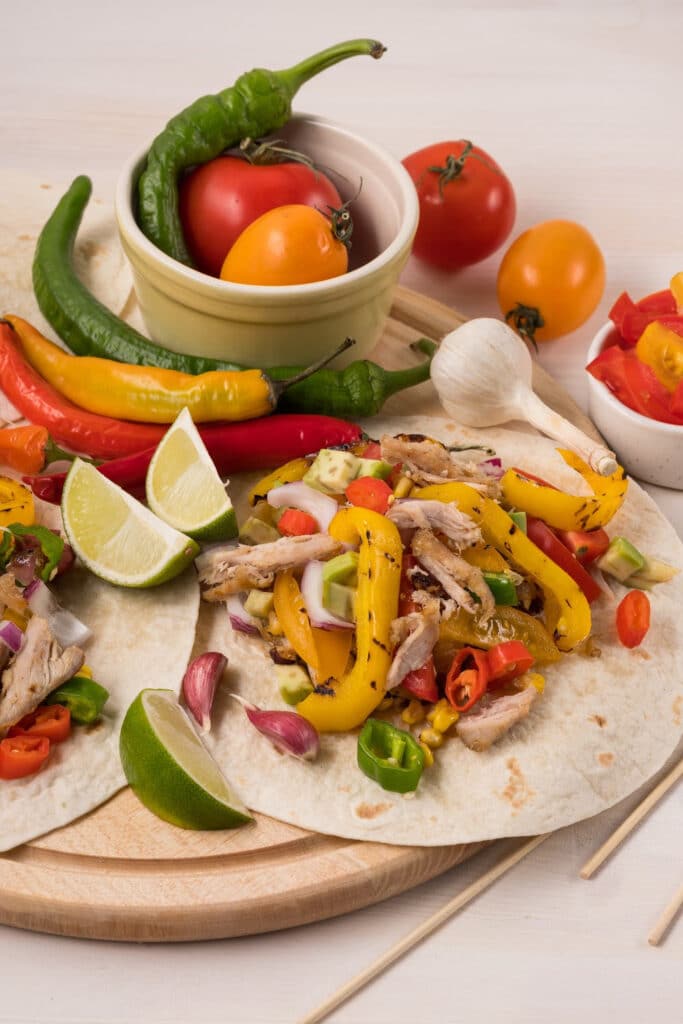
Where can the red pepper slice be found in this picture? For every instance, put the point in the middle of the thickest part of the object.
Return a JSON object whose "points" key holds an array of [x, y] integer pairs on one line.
{"points": [[677, 401], [421, 682], [508, 660], [467, 678], [369, 492], [22, 755], [658, 302], [633, 618], [52, 721], [585, 545], [535, 479], [544, 538], [295, 523], [633, 383]]}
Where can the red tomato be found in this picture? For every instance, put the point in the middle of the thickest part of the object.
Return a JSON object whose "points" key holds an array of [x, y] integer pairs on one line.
{"points": [[369, 492], [633, 618], [634, 384], [222, 197], [295, 523], [467, 204]]}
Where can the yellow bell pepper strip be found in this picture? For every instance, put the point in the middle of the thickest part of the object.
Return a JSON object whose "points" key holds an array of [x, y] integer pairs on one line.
{"points": [[567, 613], [151, 394], [661, 349], [567, 511], [486, 558], [676, 287], [16, 503], [293, 617], [287, 474], [347, 704], [333, 647]]}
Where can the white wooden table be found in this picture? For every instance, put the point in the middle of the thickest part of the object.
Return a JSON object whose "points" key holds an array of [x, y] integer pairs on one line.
{"points": [[580, 103]]}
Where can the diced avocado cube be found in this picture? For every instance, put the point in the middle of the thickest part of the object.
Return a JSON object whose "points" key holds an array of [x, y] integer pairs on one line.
{"points": [[621, 559], [259, 603], [255, 531], [518, 518], [340, 600], [342, 569], [377, 468], [293, 682], [332, 471]]}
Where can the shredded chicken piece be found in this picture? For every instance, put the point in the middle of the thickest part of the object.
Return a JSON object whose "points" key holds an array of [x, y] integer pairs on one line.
{"points": [[40, 665], [416, 635], [429, 462], [455, 575], [10, 595], [447, 607], [5, 654], [226, 571], [462, 531], [492, 717]]}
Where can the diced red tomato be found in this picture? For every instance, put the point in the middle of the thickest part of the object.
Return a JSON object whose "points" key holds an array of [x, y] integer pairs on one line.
{"points": [[633, 618], [369, 492], [608, 367], [633, 383], [420, 683], [22, 755], [295, 523], [373, 450], [53, 721], [508, 660], [544, 538], [677, 401], [467, 678], [585, 545], [631, 318], [658, 302]]}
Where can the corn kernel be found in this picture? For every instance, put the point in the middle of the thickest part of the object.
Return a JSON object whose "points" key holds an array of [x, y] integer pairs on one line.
{"points": [[444, 719], [404, 486], [414, 713], [432, 738], [429, 756], [536, 680], [86, 671]]}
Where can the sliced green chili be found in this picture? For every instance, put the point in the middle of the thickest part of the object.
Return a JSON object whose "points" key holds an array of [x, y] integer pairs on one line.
{"points": [[83, 696], [391, 757], [502, 587]]}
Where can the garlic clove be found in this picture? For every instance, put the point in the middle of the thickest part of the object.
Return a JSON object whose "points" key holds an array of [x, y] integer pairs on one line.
{"points": [[289, 732], [199, 685]]}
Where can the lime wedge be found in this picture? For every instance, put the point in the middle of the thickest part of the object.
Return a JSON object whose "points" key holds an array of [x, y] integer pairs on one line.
{"points": [[169, 768], [184, 488], [115, 536]]}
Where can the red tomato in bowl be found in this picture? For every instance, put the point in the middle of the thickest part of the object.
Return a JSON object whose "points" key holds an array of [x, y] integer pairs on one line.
{"points": [[218, 200], [467, 204]]}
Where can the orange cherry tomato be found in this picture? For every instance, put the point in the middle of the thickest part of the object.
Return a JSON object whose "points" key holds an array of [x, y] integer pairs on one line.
{"points": [[288, 245], [550, 280]]}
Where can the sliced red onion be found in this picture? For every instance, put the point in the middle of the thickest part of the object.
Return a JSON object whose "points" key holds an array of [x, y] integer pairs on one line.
{"points": [[312, 593], [307, 499], [492, 468], [63, 624], [11, 635], [289, 732], [240, 620], [199, 685]]}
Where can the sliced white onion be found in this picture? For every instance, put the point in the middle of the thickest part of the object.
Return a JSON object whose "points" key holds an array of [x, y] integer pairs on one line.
{"points": [[63, 624], [240, 620], [11, 635], [307, 499], [312, 593]]}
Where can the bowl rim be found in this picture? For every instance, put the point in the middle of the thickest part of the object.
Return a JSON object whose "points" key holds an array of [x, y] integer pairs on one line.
{"points": [[598, 388], [215, 287]]}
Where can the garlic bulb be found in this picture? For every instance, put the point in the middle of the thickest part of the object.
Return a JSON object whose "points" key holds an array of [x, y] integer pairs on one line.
{"points": [[482, 374]]}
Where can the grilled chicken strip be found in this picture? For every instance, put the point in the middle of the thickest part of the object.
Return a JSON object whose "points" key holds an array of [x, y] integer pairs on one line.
{"points": [[10, 595], [5, 655], [455, 575], [436, 515], [481, 728], [416, 635], [225, 571], [429, 462], [40, 665]]}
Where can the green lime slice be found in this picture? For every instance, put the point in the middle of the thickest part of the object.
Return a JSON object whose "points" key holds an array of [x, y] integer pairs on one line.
{"points": [[115, 536], [183, 486], [169, 768]]}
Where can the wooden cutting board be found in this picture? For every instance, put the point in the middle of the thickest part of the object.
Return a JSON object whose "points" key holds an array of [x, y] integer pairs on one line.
{"points": [[120, 873]]}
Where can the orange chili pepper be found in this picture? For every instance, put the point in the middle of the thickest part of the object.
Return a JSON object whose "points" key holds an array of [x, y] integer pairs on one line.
{"points": [[23, 448]]}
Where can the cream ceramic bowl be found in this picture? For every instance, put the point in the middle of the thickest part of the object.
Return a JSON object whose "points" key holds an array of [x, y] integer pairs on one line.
{"points": [[647, 449], [188, 311]]}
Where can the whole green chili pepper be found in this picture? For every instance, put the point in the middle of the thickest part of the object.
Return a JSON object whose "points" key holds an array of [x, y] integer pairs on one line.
{"points": [[258, 103], [390, 756], [89, 328]]}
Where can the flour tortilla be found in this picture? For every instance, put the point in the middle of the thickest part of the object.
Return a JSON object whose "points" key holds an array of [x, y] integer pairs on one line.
{"points": [[603, 726], [140, 638]]}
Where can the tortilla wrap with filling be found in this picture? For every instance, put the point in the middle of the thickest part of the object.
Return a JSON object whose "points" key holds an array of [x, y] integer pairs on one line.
{"points": [[602, 727], [140, 638]]}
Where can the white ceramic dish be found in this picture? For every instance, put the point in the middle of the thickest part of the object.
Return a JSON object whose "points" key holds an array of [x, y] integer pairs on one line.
{"points": [[188, 311], [647, 449]]}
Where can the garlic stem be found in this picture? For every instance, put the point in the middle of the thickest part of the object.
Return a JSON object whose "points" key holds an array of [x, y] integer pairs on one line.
{"points": [[549, 422]]}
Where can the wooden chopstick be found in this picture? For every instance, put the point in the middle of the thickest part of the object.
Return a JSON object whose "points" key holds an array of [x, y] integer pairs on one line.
{"points": [[636, 816], [422, 930], [667, 919]]}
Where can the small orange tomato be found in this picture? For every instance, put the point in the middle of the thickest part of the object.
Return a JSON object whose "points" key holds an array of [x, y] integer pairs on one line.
{"points": [[550, 280], [288, 245]]}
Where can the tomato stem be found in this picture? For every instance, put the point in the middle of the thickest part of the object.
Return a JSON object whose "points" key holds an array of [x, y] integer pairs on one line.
{"points": [[341, 220], [526, 320]]}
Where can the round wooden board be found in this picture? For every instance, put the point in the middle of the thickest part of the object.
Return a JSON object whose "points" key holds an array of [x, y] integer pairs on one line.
{"points": [[119, 873]]}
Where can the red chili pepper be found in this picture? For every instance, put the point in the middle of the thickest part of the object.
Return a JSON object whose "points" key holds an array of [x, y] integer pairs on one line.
{"points": [[467, 678], [369, 492], [234, 448], [544, 538], [421, 682], [53, 721], [633, 618], [508, 660], [585, 545], [295, 523], [22, 755]]}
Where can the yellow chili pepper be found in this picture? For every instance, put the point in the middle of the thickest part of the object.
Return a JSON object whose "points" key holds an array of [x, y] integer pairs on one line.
{"points": [[567, 613], [287, 474], [16, 503], [347, 704], [567, 511], [662, 349]]}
